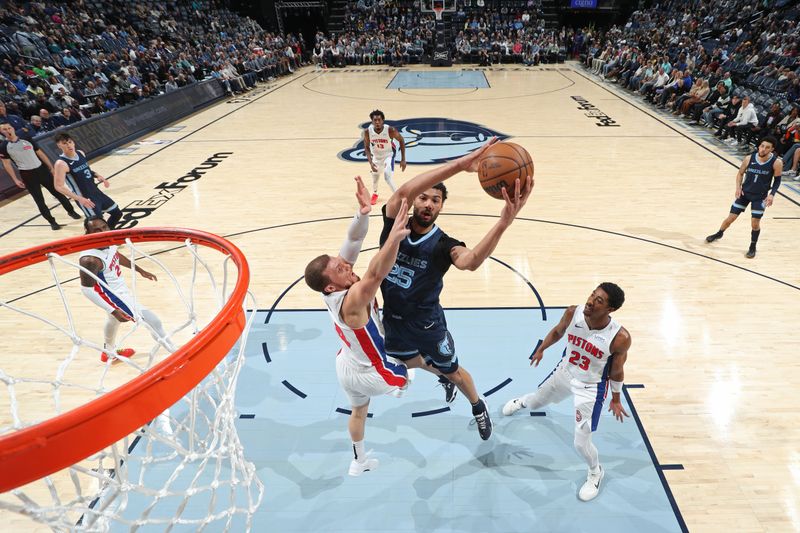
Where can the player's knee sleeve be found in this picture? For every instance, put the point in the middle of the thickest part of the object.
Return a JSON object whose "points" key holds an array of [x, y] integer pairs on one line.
{"points": [[110, 331], [152, 320], [534, 400], [584, 445], [583, 435]]}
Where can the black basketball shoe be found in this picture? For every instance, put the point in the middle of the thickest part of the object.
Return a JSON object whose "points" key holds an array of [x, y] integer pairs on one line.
{"points": [[450, 389], [484, 422]]}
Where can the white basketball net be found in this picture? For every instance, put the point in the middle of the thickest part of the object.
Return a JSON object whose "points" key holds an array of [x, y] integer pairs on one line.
{"points": [[186, 468]]}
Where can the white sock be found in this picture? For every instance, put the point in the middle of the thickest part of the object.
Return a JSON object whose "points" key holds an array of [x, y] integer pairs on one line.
{"points": [[110, 332], [388, 178], [375, 179], [358, 451]]}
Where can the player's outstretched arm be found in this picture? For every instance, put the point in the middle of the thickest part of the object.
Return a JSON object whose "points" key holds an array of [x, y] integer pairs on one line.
{"points": [[359, 226], [419, 184], [363, 292], [619, 351], [554, 335], [124, 261], [470, 259]]}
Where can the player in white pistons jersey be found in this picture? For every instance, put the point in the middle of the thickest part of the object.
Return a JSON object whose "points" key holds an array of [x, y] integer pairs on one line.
{"points": [[597, 347], [363, 351], [111, 293], [380, 151], [362, 367]]}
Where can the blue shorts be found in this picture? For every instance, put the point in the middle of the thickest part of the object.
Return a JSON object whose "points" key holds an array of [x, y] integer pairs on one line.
{"points": [[405, 339], [756, 205]]}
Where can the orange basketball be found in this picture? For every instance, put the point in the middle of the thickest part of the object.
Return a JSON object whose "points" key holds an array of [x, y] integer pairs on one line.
{"points": [[501, 165]]}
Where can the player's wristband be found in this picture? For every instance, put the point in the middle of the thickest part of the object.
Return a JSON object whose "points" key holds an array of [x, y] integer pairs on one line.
{"points": [[97, 300], [616, 386]]}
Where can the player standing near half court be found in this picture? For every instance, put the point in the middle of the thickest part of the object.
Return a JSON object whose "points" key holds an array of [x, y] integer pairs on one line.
{"points": [[75, 180], [416, 329], [761, 172], [34, 170], [362, 366], [597, 347], [113, 296], [380, 151]]}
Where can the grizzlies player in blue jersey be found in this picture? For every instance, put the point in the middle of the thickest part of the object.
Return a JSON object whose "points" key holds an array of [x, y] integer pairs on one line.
{"points": [[757, 182], [415, 325], [75, 180]]}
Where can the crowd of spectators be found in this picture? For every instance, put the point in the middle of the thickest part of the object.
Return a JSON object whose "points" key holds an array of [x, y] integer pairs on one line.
{"points": [[377, 33], [397, 32], [513, 33], [731, 66], [61, 62]]}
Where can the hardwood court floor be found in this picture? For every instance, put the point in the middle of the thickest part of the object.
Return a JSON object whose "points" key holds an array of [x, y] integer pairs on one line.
{"points": [[629, 202]]}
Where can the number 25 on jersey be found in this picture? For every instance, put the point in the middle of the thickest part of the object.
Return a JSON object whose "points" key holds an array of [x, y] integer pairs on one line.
{"points": [[401, 276]]}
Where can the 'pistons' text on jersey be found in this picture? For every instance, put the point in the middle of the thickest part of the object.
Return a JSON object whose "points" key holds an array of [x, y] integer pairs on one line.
{"points": [[589, 350]]}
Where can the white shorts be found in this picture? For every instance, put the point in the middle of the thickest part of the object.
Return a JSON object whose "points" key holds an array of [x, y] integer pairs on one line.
{"points": [[385, 163], [123, 300], [360, 382], [587, 398]]}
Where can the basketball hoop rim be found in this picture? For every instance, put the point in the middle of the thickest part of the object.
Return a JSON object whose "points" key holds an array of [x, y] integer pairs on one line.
{"points": [[61, 441]]}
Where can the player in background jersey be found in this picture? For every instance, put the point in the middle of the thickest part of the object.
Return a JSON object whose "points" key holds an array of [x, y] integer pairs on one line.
{"points": [[757, 183], [75, 180], [113, 296], [362, 367], [380, 151], [597, 348], [416, 328]]}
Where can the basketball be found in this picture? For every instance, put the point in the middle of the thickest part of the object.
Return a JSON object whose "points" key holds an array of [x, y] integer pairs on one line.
{"points": [[501, 165]]}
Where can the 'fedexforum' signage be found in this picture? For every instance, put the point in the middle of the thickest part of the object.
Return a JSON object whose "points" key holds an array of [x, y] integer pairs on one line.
{"points": [[136, 211], [602, 119]]}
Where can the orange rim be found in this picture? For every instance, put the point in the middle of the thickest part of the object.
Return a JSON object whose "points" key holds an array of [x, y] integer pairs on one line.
{"points": [[59, 442]]}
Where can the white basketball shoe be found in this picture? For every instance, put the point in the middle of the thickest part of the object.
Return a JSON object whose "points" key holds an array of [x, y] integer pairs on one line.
{"points": [[512, 406], [357, 468], [591, 488]]}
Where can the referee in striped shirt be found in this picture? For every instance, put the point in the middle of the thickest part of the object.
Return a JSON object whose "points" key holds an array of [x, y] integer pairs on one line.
{"points": [[35, 171]]}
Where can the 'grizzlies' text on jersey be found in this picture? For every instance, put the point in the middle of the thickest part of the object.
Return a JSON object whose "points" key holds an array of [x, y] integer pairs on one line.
{"points": [[758, 177], [589, 350], [80, 177], [414, 284]]}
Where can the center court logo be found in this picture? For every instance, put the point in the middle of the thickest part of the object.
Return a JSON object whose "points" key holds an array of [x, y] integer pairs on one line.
{"points": [[431, 140]]}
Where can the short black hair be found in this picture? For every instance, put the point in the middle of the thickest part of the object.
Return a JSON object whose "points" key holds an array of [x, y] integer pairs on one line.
{"points": [[440, 186], [616, 296], [377, 113], [770, 139], [63, 137]]}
